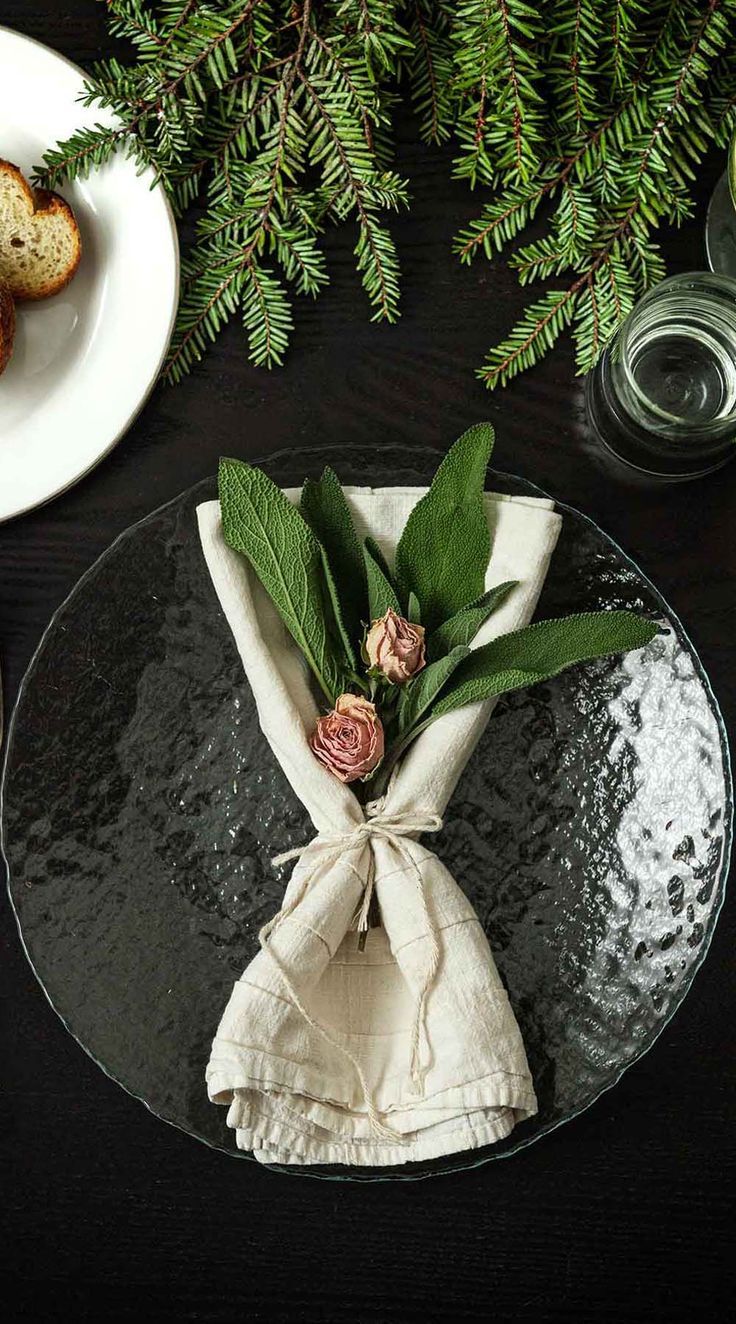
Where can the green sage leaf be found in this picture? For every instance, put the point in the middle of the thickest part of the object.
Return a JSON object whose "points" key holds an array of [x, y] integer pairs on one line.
{"points": [[414, 610], [538, 652], [465, 624], [380, 560], [325, 508], [381, 594], [443, 552], [259, 521], [338, 620], [420, 692]]}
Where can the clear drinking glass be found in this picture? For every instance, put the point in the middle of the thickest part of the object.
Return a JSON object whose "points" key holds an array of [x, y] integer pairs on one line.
{"points": [[663, 395]]}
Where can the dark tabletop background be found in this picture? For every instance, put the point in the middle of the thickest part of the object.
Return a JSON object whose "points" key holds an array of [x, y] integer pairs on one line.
{"points": [[622, 1212]]}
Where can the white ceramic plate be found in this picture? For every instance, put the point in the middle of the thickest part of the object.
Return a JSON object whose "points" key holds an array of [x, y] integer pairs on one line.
{"points": [[84, 360]]}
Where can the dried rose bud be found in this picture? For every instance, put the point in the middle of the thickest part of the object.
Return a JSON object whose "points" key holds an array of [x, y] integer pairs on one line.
{"points": [[396, 647], [349, 740]]}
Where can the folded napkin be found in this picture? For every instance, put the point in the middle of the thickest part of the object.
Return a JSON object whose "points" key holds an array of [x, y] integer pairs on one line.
{"points": [[408, 1049]]}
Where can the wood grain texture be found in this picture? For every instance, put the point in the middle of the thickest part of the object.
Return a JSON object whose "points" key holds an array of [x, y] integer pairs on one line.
{"points": [[621, 1213]]}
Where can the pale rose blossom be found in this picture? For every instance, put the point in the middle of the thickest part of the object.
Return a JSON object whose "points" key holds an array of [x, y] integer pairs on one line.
{"points": [[395, 647], [349, 740]]}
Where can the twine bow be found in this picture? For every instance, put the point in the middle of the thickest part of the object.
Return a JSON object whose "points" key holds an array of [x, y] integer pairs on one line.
{"points": [[398, 830]]}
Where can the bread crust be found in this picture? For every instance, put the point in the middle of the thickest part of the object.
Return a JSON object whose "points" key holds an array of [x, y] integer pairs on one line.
{"points": [[7, 325], [44, 202]]}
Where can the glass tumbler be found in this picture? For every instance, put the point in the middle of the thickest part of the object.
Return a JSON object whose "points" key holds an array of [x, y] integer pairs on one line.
{"points": [[663, 394]]}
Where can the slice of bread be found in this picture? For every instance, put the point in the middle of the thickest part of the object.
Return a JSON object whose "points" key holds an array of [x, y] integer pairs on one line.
{"points": [[7, 325], [40, 244]]}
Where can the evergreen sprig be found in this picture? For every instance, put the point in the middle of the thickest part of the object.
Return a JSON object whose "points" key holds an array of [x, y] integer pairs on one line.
{"points": [[635, 97], [272, 118]]}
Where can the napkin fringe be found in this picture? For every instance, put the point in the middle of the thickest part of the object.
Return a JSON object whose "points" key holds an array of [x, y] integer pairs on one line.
{"points": [[236, 1072], [288, 1140]]}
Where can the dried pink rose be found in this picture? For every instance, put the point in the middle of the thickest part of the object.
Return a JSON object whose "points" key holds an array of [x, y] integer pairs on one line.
{"points": [[396, 647], [349, 740]]}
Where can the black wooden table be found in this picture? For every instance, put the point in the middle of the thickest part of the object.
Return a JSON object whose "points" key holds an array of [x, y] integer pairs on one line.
{"points": [[106, 1211]]}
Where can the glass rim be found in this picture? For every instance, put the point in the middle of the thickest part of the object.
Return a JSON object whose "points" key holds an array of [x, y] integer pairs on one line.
{"points": [[621, 348]]}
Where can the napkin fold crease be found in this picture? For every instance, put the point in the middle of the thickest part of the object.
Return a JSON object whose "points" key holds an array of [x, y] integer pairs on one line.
{"points": [[408, 1049]]}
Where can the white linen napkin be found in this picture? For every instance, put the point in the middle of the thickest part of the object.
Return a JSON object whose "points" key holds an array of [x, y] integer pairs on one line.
{"points": [[408, 1049]]}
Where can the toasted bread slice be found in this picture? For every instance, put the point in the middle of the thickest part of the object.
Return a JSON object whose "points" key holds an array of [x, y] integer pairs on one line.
{"points": [[40, 244], [7, 325]]}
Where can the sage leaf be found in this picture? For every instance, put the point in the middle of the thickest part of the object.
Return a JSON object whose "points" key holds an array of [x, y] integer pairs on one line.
{"points": [[338, 619], [327, 513], [414, 610], [420, 692], [538, 652], [259, 521], [380, 560], [381, 593], [443, 552], [465, 624]]}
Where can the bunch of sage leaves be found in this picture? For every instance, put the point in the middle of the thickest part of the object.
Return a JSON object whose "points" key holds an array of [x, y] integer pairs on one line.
{"points": [[328, 587]]}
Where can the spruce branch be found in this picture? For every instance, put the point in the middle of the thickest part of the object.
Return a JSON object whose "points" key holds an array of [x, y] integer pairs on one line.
{"points": [[722, 103], [576, 32], [273, 118], [622, 19], [430, 68], [625, 176], [497, 76]]}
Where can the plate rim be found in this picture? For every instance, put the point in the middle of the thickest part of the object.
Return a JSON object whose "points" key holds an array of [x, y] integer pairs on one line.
{"points": [[405, 1174], [152, 381]]}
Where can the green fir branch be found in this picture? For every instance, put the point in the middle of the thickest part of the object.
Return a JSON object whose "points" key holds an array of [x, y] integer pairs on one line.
{"points": [[273, 119], [632, 171], [429, 70]]}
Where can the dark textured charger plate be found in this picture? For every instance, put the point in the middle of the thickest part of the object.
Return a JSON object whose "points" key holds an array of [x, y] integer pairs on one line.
{"points": [[141, 806]]}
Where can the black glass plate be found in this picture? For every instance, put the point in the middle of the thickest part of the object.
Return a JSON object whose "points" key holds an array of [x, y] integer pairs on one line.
{"points": [[591, 829]]}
